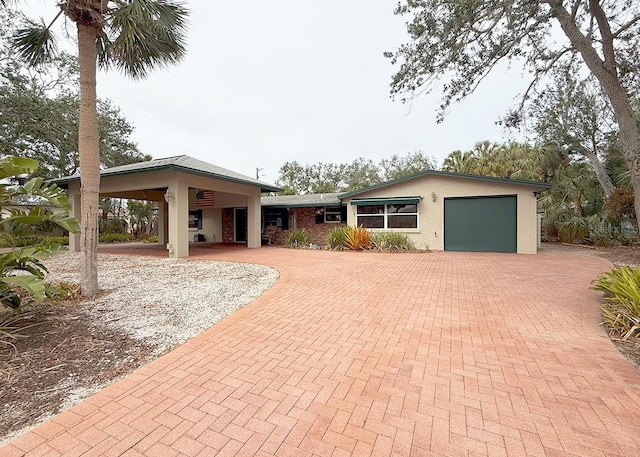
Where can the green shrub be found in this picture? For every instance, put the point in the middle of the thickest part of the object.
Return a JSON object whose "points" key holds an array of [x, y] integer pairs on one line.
{"points": [[337, 238], [148, 238], [51, 240], [358, 238], [621, 311], [115, 237], [392, 241], [298, 238]]}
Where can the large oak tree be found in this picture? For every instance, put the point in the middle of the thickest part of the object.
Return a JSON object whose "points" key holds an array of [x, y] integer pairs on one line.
{"points": [[463, 40]]}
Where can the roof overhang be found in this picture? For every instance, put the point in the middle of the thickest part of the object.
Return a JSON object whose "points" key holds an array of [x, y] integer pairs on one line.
{"points": [[386, 201], [171, 167]]}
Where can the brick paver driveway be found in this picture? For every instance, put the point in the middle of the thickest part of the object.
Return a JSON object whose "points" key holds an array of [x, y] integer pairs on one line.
{"points": [[441, 354]]}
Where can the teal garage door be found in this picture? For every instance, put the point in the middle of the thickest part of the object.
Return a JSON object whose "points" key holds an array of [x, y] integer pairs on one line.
{"points": [[484, 224]]}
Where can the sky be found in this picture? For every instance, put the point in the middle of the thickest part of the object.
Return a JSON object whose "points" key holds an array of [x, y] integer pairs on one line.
{"points": [[264, 83]]}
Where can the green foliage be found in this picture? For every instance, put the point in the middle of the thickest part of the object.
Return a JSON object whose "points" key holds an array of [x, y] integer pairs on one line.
{"points": [[400, 166], [344, 177], [622, 311], [298, 238], [112, 226], [115, 237], [337, 238], [24, 269], [39, 112], [392, 241], [10, 240], [358, 238], [141, 216], [508, 160]]}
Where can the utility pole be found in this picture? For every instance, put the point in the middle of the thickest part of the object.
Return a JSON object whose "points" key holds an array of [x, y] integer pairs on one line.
{"points": [[258, 170]]}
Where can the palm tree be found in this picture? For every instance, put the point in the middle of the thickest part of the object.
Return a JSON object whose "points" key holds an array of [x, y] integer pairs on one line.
{"points": [[132, 35]]}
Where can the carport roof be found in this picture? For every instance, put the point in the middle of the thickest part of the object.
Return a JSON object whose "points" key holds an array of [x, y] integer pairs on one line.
{"points": [[536, 185], [182, 163]]}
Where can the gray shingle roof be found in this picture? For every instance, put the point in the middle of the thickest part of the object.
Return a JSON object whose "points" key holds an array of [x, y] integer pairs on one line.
{"points": [[182, 163], [518, 182], [328, 199]]}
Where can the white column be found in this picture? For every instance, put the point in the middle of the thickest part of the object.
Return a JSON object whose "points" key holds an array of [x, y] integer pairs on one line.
{"points": [[253, 221], [179, 220], [161, 223], [74, 239]]}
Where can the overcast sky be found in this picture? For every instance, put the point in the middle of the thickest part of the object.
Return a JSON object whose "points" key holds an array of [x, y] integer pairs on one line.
{"points": [[269, 82]]}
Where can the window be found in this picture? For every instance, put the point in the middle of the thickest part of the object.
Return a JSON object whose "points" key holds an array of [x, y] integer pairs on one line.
{"points": [[332, 214], [195, 219], [391, 216], [276, 216]]}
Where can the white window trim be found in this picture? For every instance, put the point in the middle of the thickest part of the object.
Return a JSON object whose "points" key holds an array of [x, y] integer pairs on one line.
{"points": [[385, 219]]}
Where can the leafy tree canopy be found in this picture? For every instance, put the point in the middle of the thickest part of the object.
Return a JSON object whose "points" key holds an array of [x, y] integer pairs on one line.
{"points": [[508, 160], [39, 112], [461, 41], [296, 178]]}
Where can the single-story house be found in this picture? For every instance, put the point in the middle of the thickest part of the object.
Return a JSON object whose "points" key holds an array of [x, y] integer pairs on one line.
{"points": [[195, 200], [436, 210], [198, 201]]}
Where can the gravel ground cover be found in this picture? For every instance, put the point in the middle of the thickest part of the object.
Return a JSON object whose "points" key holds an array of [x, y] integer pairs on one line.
{"points": [[147, 306]]}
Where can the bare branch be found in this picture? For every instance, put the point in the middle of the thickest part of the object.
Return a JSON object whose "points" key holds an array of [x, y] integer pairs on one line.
{"points": [[607, 36], [626, 26]]}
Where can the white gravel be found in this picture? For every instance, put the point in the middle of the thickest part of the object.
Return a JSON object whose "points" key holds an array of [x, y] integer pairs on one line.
{"points": [[165, 301]]}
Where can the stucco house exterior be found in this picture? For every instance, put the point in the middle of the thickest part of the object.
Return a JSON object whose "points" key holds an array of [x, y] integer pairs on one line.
{"points": [[198, 201], [193, 198], [436, 210]]}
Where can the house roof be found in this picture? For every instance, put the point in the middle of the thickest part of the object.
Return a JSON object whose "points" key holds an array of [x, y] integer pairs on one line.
{"points": [[536, 185], [183, 163], [307, 200]]}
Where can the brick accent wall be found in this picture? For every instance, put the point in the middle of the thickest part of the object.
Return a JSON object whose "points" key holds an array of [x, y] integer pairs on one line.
{"points": [[227, 225], [306, 218]]}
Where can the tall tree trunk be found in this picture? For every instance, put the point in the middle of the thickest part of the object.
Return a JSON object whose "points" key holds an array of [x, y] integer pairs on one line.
{"points": [[601, 173], [88, 148], [605, 72]]}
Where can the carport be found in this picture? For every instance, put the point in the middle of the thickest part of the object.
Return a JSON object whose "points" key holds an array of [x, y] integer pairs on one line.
{"points": [[173, 183]]}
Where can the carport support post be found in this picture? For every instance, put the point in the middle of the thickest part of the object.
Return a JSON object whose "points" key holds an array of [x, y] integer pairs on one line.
{"points": [[253, 221], [161, 224], [178, 220]]}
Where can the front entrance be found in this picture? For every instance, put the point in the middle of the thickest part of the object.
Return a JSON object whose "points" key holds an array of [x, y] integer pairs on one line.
{"points": [[240, 225]]}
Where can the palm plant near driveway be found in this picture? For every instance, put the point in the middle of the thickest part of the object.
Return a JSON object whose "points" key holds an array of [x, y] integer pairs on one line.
{"points": [[133, 36]]}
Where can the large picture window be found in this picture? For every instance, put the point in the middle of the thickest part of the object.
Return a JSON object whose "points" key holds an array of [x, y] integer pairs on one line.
{"points": [[391, 216]]}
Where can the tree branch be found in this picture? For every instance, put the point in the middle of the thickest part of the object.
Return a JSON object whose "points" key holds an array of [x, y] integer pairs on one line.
{"points": [[607, 36], [626, 26]]}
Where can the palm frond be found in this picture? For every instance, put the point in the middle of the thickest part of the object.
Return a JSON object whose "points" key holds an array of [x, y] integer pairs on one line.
{"points": [[149, 34], [35, 43]]}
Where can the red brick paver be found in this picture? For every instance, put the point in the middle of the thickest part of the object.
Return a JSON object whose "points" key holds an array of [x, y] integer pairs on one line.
{"points": [[441, 354]]}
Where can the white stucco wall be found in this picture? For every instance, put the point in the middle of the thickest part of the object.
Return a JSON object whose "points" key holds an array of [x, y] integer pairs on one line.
{"points": [[182, 185], [430, 231]]}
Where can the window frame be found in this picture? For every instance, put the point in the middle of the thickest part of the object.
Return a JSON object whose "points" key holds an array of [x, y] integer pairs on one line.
{"points": [[385, 216], [337, 211]]}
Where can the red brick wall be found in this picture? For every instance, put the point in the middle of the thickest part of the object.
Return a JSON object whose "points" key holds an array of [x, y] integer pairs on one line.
{"points": [[227, 225], [306, 218], [301, 217]]}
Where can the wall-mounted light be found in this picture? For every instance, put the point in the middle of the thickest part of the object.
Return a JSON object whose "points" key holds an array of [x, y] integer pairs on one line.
{"points": [[169, 195], [433, 196]]}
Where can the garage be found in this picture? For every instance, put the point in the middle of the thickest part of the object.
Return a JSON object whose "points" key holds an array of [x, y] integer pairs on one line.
{"points": [[481, 224]]}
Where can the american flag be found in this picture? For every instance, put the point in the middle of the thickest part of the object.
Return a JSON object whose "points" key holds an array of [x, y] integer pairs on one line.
{"points": [[204, 198]]}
